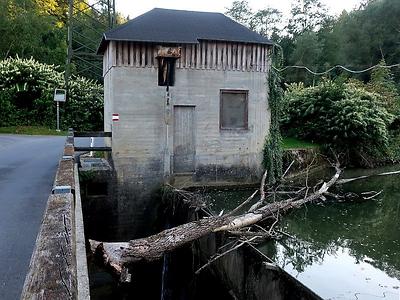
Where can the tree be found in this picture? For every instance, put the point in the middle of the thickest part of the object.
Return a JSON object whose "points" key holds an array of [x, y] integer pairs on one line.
{"points": [[118, 256], [241, 12], [264, 21], [344, 117], [27, 33], [267, 22], [382, 82], [26, 96], [307, 52], [306, 15]]}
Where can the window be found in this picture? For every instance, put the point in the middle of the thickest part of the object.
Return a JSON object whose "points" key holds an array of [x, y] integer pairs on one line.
{"points": [[166, 71], [234, 109]]}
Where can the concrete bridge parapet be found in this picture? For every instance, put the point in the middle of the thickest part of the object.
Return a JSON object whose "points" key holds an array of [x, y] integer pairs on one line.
{"points": [[58, 267]]}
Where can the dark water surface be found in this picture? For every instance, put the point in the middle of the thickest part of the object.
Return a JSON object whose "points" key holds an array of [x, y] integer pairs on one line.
{"points": [[347, 250]]}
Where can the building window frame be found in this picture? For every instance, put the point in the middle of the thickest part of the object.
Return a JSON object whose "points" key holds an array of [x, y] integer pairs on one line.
{"points": [[245, 113]]}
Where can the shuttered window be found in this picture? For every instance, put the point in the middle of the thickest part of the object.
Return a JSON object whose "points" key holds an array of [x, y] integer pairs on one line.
{"points": [[233, 109]]}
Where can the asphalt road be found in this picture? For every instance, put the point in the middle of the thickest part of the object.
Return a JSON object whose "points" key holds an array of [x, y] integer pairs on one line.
{"points": [[27, 170]]}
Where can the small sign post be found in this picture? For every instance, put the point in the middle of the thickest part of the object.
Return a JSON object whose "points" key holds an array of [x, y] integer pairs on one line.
{"points": [[60, 95]]}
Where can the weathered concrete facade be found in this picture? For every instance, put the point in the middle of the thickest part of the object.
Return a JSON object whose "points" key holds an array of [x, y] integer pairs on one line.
{"points": [[143, 144], [166, 133]]}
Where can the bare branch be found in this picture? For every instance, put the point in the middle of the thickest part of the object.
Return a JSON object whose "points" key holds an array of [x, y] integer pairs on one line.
{"points": [[342, 181], [262, 193], [118, 255], [223, 254], [288, 168], [243, 204]]}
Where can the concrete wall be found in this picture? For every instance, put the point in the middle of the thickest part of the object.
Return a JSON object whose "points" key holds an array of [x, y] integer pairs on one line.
{"points": [[58, 268], [143, 150], [139, 138], [248, 275]]}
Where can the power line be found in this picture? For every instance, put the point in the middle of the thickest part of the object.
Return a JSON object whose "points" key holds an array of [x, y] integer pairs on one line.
{"points": [[336, 67], [86, 25]]}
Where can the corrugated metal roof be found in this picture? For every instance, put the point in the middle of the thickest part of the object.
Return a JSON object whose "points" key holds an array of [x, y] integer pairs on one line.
{"points": [[182, 27]]}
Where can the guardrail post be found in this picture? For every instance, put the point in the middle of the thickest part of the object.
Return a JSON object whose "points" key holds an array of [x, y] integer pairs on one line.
{"points": [[70, 136]]}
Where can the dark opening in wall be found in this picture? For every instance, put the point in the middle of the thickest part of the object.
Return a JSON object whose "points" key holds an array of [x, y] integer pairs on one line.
{"points": [[166, 71], [96, 189]]}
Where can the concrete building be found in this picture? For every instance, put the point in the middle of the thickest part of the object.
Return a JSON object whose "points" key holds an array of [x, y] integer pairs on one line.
{"points": [[185, 94]]}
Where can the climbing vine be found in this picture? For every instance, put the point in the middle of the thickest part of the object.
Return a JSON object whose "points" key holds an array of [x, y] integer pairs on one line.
{"points": [[273, 144]]}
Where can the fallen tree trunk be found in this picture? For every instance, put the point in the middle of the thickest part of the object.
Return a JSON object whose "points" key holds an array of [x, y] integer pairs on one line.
{"points": [[119, 255]]}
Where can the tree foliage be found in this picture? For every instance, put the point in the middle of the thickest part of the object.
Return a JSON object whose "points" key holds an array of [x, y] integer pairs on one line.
{"points": [[265, 21], [305, 16], [345, 117], [26, 96], [84, 110], [352, 112], [312, 37], [28, 33], [38, 28], [382, 82]]}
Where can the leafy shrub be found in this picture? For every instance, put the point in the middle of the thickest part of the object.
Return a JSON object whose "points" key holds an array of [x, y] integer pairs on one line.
{"points": [[26, 97], [7, 110], [382, 83], [345, 117], [84, 108]]}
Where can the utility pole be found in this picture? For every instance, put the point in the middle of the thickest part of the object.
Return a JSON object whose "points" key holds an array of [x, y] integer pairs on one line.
{"points": [[86, 25], [69, 41]]}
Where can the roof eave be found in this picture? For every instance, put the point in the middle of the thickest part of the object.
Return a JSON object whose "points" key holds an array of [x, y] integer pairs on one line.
{"points": [[103, 44]]}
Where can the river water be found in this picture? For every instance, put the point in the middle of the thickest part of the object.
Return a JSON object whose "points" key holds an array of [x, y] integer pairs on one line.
{"points": [[347, 250]]}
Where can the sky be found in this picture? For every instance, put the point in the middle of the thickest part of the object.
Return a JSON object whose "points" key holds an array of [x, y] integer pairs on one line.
{"points": [[134, 8]]}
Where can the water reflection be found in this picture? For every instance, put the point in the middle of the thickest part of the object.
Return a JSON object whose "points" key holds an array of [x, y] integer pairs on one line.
{"points": [[342, 250], [346, 250]]}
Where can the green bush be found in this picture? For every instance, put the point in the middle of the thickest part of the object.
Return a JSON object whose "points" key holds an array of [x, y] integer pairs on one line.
{"points": [[7, 110], [344, 117], [84, 108], [26, 97]]}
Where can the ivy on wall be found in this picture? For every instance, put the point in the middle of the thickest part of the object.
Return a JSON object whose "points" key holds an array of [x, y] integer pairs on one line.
{"points": [[273, 144]]}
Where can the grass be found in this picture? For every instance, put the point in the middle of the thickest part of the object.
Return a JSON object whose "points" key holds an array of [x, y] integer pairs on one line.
{"points": [[31, 130], [293, 143]]}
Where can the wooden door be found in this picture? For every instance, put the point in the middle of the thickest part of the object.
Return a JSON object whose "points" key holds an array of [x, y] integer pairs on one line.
{"points": [[184, 139]]}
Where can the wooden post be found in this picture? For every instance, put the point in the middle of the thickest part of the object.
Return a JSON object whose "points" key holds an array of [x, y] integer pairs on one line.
{"points": [[214, 56], [219, 56], [188, 56], [209, 50], [137, 55], [203, 54], [239, 57], [244, 56], [143, 50], [131, 54], [229, 48], [198, 56]]}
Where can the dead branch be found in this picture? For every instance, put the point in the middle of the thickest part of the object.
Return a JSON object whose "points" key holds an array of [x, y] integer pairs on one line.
{"points": [[118, 255], [223, 254], [243, 204], [249, 234], [288, 168], [262, 193], [371, 194], [342, 181]]}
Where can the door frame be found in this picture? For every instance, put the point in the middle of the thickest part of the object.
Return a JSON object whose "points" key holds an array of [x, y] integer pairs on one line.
{"points": [[173, 139]]}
